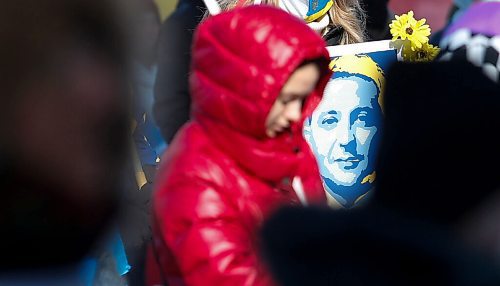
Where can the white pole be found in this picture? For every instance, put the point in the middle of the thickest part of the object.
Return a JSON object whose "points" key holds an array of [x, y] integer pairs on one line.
{"points": [[299, 190]]}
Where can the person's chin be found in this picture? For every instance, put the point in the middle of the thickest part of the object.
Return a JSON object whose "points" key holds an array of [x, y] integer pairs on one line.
{"points": [[345, 183], [348, 176], [346, 179]]}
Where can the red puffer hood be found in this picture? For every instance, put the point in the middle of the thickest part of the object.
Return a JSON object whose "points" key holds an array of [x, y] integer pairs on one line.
{"points": [[241, 61]]}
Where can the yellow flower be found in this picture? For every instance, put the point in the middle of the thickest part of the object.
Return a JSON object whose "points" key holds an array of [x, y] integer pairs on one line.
{"points": [[399, 26], [425, 53], [405, 27], [418, 33]]}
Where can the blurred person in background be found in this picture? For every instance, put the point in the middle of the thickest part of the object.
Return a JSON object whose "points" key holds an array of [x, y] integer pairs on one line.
{"points": [[475, 37], [455, 11], [339, 22], [458, 8], [243, 154], [378, 18], [64, 135], [147, 143], [434, 217], [144, 45], [172, 97]]}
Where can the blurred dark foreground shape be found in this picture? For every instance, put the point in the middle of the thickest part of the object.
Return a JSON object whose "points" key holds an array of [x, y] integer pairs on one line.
{"points": [[434, 216], [63, 128]]}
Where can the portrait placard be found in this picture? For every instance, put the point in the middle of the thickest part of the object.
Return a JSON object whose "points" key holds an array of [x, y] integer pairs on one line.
{"points": [[344, 130]]}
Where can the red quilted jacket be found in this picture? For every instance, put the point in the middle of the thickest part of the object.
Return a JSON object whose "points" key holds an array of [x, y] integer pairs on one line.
{"points": [[222, 176]]}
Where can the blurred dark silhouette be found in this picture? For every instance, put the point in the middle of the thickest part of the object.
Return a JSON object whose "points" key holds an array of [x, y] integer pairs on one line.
{"points": [[378, 18], [172, 99], [145, 28], [475, 37], [144, 45], [370, 246], [438, 142], [430, 219], [64, 128], [455, 11]]}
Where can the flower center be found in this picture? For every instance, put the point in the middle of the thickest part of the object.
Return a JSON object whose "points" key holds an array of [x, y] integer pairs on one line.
{"points": [[421, 54], [409, 31]]}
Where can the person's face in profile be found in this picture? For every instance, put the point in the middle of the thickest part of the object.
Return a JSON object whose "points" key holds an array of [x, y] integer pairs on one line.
{"points": [[343, 129], [287, 108]]}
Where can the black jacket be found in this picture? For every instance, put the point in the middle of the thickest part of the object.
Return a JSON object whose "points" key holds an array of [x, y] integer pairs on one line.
{"points": [[368, 247], [333, 36], [172, 99]]}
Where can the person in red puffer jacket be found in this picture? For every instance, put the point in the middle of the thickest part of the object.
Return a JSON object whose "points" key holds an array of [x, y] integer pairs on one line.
{"points": [[257, 73]]}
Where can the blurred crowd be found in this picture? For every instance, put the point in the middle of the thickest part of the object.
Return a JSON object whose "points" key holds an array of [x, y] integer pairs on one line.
{"points": [[137, 150]]}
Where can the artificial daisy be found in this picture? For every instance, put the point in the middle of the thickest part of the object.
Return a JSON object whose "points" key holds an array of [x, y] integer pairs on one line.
{"points": [[406, 27], [418, 32], [425, 53], [399, 26]]}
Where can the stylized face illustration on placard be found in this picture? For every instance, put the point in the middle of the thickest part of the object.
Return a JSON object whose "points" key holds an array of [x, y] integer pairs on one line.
{"points": [[344, 130]]}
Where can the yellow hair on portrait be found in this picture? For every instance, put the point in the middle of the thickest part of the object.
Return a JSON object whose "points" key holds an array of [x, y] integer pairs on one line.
{"points": [[361, 65]]}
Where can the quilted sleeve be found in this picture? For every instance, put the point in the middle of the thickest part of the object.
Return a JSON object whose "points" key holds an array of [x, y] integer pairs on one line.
{"points": [[207, 239]]}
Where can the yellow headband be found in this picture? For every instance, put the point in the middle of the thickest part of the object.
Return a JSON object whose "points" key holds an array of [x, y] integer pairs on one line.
{"points": [[362, 65]]}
